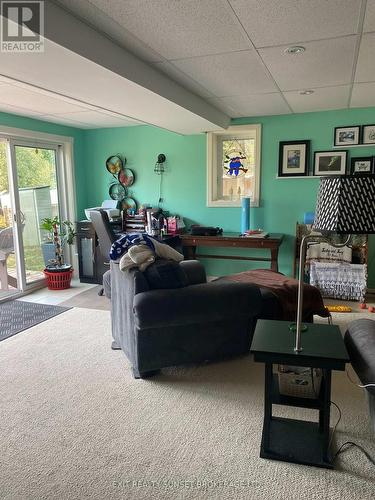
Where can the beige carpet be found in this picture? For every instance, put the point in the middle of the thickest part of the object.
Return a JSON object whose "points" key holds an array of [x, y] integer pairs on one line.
{"points": [[75, 425]]}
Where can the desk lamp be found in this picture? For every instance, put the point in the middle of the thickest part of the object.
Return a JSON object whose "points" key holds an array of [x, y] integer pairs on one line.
{"points": [[344, 205]]}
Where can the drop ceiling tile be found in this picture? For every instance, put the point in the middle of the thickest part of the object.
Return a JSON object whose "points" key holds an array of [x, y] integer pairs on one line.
{"points": [[257, 105], [109, 25], [369, 24], [322, 98], [276, 23], [34, 101], [363, 95], [237, 73], [179, 29], [325, 63], [365, 71], [178, 76], [220, 103]]}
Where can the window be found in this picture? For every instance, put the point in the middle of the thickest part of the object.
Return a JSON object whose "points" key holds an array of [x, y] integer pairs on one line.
{"points": [[233, 166]]}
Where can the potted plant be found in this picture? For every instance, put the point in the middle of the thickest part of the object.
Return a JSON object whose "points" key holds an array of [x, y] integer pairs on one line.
{"points": [[58, 273], [48, 247]]}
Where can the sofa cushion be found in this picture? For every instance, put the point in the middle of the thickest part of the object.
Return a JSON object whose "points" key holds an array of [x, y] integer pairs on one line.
{"points": [[202, 304], [165, 274]]}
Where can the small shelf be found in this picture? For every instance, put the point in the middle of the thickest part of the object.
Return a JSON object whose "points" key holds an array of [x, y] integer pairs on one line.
{"points": [[296, 441], [354, 146], [298, 177]]}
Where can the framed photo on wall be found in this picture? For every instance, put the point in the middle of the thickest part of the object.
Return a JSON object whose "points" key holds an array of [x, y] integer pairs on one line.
{"points": [[363, 165], [294, 158], [330, 163], [347, 136], [368, 134]]}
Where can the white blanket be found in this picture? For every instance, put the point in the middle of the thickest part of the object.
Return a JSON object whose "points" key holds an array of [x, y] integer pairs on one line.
{"points": [[142, 256]]}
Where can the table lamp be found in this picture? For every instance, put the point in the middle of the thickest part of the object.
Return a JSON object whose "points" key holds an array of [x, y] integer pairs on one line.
{"points": [[344, 205]]}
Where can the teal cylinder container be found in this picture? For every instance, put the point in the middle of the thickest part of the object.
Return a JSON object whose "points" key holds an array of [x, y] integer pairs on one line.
{"points": [[245, 214]]}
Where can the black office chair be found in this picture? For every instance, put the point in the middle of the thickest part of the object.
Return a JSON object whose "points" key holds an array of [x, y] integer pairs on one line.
{"points": [[105, 233]]}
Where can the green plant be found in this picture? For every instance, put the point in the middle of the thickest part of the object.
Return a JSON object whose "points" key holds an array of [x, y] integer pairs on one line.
{"points": [[58, 234], [48, 225]]}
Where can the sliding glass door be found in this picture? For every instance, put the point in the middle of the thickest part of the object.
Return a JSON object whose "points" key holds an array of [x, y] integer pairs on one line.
{"points": [[33, 170]]}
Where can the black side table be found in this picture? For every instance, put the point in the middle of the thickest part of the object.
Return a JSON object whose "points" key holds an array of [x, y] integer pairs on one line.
{"points": [[290, 440]]}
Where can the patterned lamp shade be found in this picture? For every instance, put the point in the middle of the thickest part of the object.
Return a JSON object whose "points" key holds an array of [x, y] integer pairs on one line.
{"points": [[346, 204]]}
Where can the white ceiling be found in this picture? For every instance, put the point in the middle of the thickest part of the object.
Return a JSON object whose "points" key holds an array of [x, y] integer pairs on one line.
{"points": [[197, 62], [22, 99], [96, 84], [231, 52]]}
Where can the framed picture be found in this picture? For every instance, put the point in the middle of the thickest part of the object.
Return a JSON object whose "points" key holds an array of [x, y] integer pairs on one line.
{"points": [[364, 165], [347, 136], [330, 162], [294, 158], [368, 134]]}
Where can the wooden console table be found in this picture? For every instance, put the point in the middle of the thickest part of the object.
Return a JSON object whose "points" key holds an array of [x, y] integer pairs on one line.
{"points": [[233, 240]]}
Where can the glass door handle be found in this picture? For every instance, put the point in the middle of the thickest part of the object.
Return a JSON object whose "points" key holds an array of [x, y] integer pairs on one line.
{"points": [[19, 217]]}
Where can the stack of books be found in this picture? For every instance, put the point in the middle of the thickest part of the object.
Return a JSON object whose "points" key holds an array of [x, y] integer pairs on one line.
{"points": [[255, 233]]}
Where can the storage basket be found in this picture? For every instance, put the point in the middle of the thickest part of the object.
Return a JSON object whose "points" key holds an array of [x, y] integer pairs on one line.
{"points": [[299, 382], [58, 280]]}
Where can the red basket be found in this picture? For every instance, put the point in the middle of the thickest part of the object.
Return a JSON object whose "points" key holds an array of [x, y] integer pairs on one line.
{"points": [[58, 280]]}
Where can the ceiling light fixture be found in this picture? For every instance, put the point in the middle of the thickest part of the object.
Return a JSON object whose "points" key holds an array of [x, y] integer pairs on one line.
{"points": [[296, 49], [306, 92]]}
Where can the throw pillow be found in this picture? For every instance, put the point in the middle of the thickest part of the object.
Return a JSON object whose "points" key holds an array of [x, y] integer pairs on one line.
{"points": [[165, 274]]}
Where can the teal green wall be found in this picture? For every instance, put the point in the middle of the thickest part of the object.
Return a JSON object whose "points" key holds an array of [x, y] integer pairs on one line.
{"points": [[52, 128], [283, 202]]}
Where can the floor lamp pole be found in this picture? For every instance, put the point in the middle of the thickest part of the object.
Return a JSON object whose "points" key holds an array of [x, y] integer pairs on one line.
{"points": [[301, 272]]}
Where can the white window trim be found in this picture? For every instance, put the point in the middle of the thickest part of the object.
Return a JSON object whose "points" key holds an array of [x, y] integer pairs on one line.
{"points": [[212, 164]]}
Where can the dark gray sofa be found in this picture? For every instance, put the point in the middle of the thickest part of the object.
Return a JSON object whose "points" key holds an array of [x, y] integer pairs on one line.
{"points": [[360, 343], [202, 321]]}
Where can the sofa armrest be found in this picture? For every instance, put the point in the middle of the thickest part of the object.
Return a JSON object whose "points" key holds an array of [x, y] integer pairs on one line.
{"points": [[202, 303], [360, 343], [194, 271]]}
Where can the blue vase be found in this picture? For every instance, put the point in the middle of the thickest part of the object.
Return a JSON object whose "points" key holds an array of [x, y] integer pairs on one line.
{"points": [[245, 215]]}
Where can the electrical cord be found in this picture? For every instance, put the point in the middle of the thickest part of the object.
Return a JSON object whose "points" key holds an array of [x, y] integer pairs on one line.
{"points": [[355, 383], [350, 444], [337, 423]]}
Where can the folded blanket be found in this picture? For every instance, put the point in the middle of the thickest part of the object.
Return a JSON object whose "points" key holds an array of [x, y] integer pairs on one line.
{"points": [[138, 256], [142, 251], [286, 291], [122, 245]]}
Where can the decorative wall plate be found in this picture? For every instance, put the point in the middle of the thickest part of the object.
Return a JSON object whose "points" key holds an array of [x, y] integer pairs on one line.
{"points": [[114, 164], [129, 204], [117, 192], [126, 177]]}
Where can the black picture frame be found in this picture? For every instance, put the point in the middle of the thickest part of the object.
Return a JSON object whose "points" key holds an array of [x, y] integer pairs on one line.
{"points": [[365, 133], [294, 158], [324, 163], [356, 168], [349, 135]]}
